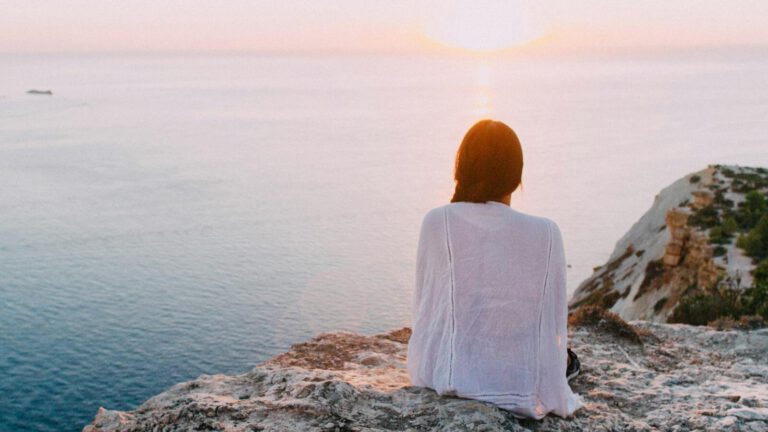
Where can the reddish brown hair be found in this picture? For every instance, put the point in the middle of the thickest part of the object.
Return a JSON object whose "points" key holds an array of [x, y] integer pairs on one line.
{"points": [[489, 163]]}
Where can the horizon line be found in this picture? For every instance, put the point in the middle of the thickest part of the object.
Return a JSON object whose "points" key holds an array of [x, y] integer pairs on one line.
{"points": [[526, 51]]}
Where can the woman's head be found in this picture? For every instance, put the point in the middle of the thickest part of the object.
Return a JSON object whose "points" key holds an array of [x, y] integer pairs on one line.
{"points": [[489, 163]]}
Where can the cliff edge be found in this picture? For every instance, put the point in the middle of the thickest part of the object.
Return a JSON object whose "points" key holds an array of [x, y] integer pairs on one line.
{"points": [[650, 377]]}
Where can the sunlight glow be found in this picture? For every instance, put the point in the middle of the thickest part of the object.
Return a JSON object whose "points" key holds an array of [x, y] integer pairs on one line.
{"points": [[483, 103], [482, 25]]}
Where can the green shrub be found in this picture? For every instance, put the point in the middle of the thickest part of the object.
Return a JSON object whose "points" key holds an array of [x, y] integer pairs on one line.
{"points": [[706, 217], [723, 202], [752, 210], [754, 300], [724, 305], [729, 226], [760, 273], [700, 309], [716, 236], [723, 233], [755, 242]]}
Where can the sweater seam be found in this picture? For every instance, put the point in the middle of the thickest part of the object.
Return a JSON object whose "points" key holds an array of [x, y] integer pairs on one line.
{"points": [[453, 304], [540, 314]]}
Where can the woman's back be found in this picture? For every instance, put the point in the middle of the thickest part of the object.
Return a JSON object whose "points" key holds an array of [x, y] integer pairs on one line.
{"points": [[489, 309]]}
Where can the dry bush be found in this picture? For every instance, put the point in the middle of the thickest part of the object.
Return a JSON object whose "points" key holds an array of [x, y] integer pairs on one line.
{"points": [[746, 322], [606, 321]]}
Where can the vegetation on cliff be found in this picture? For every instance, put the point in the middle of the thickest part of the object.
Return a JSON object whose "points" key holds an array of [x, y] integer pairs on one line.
{"points": [[699, 254], [750, 305], [724, 221]]}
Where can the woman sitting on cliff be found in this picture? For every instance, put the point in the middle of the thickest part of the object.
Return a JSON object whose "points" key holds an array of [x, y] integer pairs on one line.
{"points": [[489, 313]]}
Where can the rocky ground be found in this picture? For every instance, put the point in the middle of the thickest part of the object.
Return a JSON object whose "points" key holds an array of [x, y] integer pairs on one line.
{"points": [[673, 378]]}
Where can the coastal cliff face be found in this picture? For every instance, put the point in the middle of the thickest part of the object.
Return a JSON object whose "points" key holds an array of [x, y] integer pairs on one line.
{"points": [[677, 248], [653, 377]]}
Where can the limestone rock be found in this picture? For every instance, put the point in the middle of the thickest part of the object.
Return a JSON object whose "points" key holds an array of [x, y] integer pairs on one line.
{"points": [[677, 377]]}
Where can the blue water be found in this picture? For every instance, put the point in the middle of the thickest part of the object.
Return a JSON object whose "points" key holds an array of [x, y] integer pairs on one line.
{"points": [[165, 217]]}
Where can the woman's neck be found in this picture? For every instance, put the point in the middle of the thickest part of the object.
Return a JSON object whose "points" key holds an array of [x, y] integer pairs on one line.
{"points": [[506, 199]]}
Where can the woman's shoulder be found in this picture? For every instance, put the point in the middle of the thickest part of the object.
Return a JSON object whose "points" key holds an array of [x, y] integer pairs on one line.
{"points": [[434, 214], [542, 221], [536, 221], [437, 214]]}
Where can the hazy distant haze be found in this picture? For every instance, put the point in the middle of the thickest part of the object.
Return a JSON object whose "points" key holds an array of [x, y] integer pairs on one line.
{"points": [[358, 25]]}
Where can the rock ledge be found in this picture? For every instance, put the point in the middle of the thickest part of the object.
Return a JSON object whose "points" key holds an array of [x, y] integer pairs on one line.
{"points": [[677, 377]]}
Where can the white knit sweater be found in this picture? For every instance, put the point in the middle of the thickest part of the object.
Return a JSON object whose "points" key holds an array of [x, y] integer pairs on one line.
{"points": [[489, 310]]}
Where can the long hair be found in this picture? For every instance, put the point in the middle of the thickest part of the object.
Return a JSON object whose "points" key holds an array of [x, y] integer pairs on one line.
{"points": [[489, 163]]}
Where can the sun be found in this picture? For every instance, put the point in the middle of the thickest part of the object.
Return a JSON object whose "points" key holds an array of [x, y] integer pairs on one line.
{"points": [[482, 25]]}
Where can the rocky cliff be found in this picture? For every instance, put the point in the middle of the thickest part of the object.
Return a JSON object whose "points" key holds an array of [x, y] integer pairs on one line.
{"points": [[647, 378], [677, 248]]}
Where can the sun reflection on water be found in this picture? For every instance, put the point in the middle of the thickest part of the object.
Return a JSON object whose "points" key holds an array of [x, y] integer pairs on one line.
{"points": [[482, 106]]}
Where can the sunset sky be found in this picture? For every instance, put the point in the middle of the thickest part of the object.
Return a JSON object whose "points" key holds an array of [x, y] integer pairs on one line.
{"points": [[374, 25]]}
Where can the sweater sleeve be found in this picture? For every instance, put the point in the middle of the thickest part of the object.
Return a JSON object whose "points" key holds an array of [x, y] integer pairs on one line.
{"points": [[421, 250], [555, 394], [425, 359]]}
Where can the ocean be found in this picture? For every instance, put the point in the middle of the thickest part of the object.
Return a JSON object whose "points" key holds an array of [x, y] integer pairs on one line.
{"points": [[167, 216]]}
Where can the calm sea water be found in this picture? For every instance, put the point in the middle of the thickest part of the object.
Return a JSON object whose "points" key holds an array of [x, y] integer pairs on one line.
{"points": [[165, 217]]}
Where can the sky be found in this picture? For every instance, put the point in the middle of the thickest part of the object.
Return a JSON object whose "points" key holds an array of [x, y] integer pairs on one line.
{"points": [[374, 25]]}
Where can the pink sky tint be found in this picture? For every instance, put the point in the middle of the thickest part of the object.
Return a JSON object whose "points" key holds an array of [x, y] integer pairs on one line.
{"points": [[357, 25]]}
